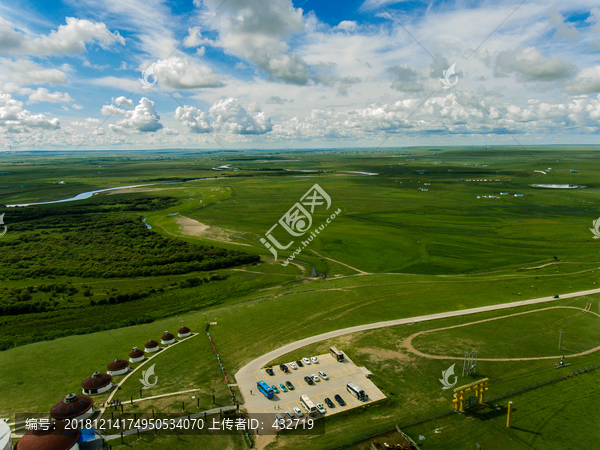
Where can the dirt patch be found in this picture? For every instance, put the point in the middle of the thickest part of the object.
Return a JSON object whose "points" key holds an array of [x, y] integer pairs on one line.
{"points": [[262, 440], [192, 227]]}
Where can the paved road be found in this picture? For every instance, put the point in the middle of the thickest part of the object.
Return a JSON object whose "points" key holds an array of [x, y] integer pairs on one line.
{"points": [[247, 381]]}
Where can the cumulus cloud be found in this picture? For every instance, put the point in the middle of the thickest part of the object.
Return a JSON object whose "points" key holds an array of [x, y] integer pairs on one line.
{"points": [[14, 118], [68, 39], [119, 107], [143, 118], [25, 72], [530, 65], [170, 131], [193, 119], [43, 95], [230, 116], [181, 73], [586, 82], [258, 33]]}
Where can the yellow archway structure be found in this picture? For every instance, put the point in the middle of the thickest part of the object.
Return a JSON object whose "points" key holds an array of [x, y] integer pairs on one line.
{"points": [[479, 387]]}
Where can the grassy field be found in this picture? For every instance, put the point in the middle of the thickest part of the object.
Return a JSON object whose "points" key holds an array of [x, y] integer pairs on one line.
{"points": [[394, 251]]}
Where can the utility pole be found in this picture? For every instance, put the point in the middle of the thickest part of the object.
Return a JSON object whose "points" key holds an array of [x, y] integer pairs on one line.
{"points": [[559, 338]]}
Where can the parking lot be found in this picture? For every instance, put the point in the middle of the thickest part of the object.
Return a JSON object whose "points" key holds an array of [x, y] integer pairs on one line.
{"points": [[339, 374]]}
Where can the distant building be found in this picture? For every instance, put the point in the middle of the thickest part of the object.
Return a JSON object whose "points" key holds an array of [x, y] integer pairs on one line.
{"points": [[73, 406], [57, 437], [184, 332], [167, 338], [5, 441], [118, 367], [573, 171], [151, 346], [503, 193], [97, 383], [427, 184], [518, 195], [136, 355]]}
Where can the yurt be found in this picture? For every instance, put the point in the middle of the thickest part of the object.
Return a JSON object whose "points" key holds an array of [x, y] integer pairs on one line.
{"points": [[118, 367], [5, 441], [97, 383], [167, 338], [56, 437], [184, 332], [151, 346], [73, 406], [136, 355]]}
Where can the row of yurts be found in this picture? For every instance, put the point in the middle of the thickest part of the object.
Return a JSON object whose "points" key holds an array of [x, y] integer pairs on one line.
{"points": [[80, 407]]}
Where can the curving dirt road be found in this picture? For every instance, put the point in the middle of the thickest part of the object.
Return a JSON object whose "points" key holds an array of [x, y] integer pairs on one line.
{"points": [[246, 380]]}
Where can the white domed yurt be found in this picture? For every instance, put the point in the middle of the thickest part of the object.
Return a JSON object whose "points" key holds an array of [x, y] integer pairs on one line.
{"points": [[5, 441], [73, 406], [97, 383], [184, 332], [151, 346], [136, 355], [118, 367], [56, 437], [167, 338]]}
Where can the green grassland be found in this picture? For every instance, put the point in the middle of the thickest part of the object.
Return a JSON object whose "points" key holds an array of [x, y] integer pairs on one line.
{"points": [[419, 253]]}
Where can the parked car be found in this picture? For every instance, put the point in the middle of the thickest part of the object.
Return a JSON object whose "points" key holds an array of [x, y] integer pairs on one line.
{"points": [[340, 400], [309, 380], [289, 385], [306, 361], [299, 363], [298, 412], [314, 359], [283, 388], [294, 366], [329, 403], [290, 414], [275, 389], [323, 375], [315, 377], [284, 368], [270, 371], [320, 408], [555, 296]]}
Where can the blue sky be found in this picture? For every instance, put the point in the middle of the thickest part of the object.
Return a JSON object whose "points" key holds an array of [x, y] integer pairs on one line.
{"points": [[305, 74]]}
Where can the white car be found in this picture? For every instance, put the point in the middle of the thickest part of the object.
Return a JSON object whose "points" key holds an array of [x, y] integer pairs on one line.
{"points": [[314, 359], [320, 408], [323, 375], [315, 377], [293, 366], [306, 361], [298, 412]]}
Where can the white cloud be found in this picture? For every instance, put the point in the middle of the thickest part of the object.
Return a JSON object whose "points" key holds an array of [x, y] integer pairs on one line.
{"points": [[181, 73], [563, 30], [586, 82], [14, 118], [194, 119], [43, 95], [530, 65], [142, 119], [276, 100], [26, 72], [170, 131], [258, 33], [230, 116], [68, 39], [76, 106]]}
